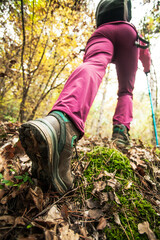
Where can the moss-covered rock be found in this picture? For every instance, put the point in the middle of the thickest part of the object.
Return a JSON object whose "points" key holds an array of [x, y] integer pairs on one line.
{"points": [[133, 205]]}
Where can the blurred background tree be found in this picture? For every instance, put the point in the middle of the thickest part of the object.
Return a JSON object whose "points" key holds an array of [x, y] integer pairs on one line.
{"points": [[41, 43]]}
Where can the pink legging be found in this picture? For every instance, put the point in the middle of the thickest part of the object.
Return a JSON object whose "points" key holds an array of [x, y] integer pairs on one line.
{"points": [[110, 43]]}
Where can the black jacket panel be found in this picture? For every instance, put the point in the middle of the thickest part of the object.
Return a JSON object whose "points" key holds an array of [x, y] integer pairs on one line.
{"points": [[113, 10]]}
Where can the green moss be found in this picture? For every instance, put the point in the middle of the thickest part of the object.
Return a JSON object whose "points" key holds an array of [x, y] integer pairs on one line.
{"points": [[157, 152], [134, 209], [110, 160]]}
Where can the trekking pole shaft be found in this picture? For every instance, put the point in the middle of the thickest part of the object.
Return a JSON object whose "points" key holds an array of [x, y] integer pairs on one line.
{"points": [[153, 116]]}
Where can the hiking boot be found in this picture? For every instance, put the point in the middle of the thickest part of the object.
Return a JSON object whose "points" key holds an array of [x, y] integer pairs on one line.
{"points": [[120, 135], [49, 144]]}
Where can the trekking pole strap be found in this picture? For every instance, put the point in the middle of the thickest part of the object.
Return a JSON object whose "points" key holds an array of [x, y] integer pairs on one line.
{"points": [[137, 43]]}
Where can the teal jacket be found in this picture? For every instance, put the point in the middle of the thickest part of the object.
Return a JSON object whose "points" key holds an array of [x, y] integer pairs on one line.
{"points": [[113, 10]]}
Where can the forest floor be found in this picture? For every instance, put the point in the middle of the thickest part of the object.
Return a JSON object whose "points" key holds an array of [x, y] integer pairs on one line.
{"points": [[116, 194]]}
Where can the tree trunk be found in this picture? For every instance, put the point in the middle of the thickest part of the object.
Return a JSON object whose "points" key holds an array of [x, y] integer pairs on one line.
{"points": [[153, 86], [99, 123], [21, 111]]}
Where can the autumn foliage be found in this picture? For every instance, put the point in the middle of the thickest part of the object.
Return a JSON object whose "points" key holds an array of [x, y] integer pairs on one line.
{"points": [[41, 44]]}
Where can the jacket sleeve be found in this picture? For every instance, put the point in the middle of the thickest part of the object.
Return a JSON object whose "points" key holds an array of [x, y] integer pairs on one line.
{"points": [[145, 58]]}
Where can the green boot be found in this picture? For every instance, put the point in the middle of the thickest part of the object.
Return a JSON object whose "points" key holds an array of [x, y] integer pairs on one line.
{"points": [[49, 143], [120, 136]]}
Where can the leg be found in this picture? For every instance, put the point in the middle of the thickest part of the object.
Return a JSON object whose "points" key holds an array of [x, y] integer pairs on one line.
{"points": [[49, 141], [126, 65], [81, 88], [126, 60]]}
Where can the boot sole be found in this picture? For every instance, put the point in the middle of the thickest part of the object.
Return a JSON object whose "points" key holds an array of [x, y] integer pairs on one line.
{"points": [[40, 142], [120, 143]]}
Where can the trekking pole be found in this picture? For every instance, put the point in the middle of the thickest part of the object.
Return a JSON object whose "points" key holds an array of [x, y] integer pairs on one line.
{"points": [[153, 116]]}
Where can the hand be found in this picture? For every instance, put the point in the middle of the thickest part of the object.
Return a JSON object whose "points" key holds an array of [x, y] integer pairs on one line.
{"points": [[147, 72]]}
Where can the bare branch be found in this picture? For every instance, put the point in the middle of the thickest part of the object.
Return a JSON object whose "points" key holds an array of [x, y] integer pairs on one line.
{"points": [[44, 49], [31, 37], [44, 94]]}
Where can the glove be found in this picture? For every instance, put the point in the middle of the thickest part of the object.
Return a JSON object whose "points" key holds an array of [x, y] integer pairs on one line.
{"points": [[147, 72]]}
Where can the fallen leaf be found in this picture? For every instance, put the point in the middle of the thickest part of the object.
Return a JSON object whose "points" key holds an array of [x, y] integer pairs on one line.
{"points": [[141, 171], [50, 235], [111, 196], [19, 221], [64, 211], [84, 232], [6, 220], [116, 218], [37, 196], [2, 163], [133, 165], [68, 234], [144, 228], [113, 183], [103, 197], [116, 198], [86, 214], [101, 175], [18, 147], [102, 224], [8, 151], [99, 186], [25, 160], [134, 157], [158, 202], [53, 214], [156, 171], [4, 200], [2, 192], [151, 183], [91, 203], [95, 213], [129, 184], [112, 175], [107, 208]]}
